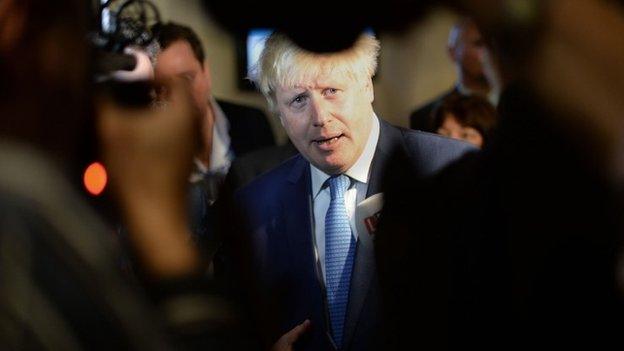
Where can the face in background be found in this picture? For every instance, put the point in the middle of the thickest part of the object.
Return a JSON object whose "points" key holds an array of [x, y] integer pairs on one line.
{"points": [[328, 119], [453, 129], [178, 60], [468, 53]]}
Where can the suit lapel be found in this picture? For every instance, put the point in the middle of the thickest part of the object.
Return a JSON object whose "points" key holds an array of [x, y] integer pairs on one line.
{"points": [[390, 138], [364, 267], [296, 212], [297, 219]]}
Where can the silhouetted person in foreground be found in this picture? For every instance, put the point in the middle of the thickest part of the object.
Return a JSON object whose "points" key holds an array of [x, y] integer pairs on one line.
{"points": [[520, 246]]}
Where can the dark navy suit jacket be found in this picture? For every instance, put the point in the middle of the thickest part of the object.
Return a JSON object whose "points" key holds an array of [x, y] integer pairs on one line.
{"points": [[422, 117], [278, 210]]}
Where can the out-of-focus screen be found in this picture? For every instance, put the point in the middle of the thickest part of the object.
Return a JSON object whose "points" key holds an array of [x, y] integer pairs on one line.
{"points": [[255, 43]]}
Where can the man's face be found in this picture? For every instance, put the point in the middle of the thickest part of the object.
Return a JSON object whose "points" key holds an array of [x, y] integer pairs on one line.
{"points": [[178, 60], [328, 120], [469, 51]]}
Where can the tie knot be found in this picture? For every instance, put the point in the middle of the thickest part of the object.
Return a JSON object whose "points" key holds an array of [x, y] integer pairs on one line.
{"points": [[338, 185]]}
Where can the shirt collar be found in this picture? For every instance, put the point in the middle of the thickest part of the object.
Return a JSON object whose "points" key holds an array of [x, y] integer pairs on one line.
{"points": [[220, 156], [360, 170], [199, 171]]}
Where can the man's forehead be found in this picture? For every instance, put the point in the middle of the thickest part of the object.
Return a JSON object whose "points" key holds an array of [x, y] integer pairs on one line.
{"points": [[317, 82], [179, 53]]}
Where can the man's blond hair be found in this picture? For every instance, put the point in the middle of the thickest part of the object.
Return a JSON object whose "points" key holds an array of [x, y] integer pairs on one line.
{"points": [[283, 63]]}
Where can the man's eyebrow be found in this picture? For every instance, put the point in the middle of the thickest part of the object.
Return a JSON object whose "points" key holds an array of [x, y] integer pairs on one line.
{"points": [[294, 91], [301, 94]]}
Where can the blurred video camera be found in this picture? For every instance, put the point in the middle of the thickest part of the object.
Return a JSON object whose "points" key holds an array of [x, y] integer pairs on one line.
{"points": [[124, 49]]}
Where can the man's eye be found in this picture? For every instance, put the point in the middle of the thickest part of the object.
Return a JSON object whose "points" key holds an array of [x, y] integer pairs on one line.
{"points": [[331, 91], [298, 101], [188, 77]]}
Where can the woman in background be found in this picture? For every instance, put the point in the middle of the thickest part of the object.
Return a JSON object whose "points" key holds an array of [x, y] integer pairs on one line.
{"points": [[467, 117]]}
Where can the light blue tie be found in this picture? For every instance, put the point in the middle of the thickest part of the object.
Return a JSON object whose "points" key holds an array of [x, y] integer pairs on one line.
{"points": [[339, 254]]}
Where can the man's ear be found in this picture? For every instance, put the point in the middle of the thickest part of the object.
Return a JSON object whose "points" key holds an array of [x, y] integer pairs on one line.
{"points": [[12, 22], [207, 76], [369, 89], [281, 119]]}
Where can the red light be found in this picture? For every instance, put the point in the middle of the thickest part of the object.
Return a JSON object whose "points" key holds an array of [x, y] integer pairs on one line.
{"points": [[95, 178]]}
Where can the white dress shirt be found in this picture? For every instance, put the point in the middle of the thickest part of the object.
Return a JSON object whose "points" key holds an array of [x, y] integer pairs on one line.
{"points": [[359, 174], [221, 155]]}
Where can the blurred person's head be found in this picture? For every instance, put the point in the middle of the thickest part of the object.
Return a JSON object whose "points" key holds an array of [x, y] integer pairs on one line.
{"points": [[470, 118], [182, 56], [466, 48], [324, 101], [44, 65]]}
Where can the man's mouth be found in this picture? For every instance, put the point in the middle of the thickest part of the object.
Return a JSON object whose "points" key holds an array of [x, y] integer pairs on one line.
{"points": [[327, 141]]}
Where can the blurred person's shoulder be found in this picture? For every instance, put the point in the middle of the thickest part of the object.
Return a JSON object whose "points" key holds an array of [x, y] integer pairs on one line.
{"points": [[34, 185]]}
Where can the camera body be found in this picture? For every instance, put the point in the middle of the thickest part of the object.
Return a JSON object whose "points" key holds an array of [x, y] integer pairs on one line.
{"points": [[124, 50]]}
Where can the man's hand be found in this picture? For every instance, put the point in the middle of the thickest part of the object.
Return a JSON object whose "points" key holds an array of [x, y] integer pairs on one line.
{"points": [[286, 342], [148, 152]]}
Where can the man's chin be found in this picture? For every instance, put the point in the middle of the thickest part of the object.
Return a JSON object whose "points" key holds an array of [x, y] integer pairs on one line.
{"points": [[331, 167]]}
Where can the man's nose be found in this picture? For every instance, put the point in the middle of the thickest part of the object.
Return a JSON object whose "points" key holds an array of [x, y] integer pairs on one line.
{"points": [[319, 111]]}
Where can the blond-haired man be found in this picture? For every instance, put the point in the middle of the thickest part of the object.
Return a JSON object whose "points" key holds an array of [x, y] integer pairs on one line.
{"points": [[314, 265]]}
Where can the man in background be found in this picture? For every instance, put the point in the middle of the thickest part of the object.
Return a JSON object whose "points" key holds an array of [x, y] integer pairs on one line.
{"points": [[228, 130], [467, 49]]}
